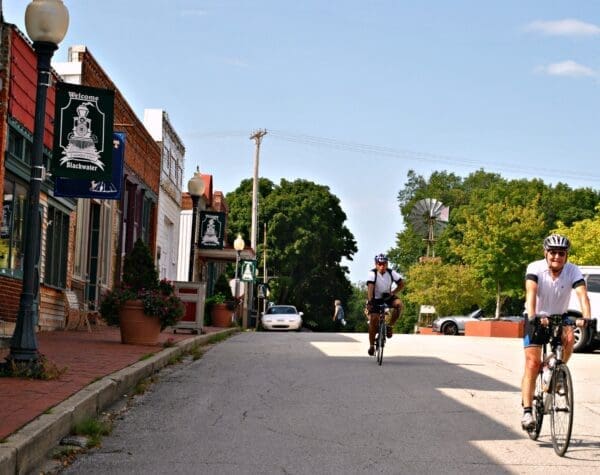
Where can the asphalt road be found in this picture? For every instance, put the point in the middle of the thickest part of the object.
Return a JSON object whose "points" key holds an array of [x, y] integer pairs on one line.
{"points": [[314, 403]]}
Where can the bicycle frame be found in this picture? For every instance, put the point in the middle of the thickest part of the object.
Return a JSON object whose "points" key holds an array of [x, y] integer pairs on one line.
{"points": [[381, 336], [557, 399]]}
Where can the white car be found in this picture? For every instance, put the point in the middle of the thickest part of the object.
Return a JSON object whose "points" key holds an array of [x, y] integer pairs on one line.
{"points": [[282, 317], [586, 337]]}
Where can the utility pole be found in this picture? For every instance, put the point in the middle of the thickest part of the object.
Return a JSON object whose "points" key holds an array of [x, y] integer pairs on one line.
{"points": [[265, 278], [257, 137]]}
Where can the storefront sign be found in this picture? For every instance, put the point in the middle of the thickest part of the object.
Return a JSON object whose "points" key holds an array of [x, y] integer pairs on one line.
{"points": [[248, 270], [106, 190], [83, 132], [212, 230]]}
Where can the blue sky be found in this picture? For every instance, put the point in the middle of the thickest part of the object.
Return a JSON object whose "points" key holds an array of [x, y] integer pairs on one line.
{"points": [[354, 94]]}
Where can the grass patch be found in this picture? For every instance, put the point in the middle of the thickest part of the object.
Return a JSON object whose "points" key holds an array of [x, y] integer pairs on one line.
{"points": [[217, 337], [94, 429], [142, 386], [42, 368], [48, 411], [147, 356], [195, 352], [175, 359], [65, 454]]}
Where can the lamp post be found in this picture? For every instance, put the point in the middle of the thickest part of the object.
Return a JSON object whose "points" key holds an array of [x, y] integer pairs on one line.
{"points": [[238, 245], [195, 189], [46, 22]]}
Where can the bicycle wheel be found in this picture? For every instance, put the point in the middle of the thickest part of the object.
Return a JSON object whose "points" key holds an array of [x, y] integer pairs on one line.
{"points": [[561, 409], [380, 342], [537, 408]]}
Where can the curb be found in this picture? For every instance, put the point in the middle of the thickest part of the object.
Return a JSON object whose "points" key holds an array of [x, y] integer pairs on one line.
{"points": [[25, 449]]}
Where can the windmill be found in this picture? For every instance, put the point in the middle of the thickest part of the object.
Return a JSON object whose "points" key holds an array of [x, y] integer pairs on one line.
{"points": [[429, 217]]}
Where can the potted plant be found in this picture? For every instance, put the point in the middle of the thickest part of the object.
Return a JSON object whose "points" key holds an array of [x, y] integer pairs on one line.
{"points": [[219, 310], [142, 305]]}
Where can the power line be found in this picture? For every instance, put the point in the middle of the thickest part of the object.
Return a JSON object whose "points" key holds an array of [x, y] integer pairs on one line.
{"points": [[409, 155], [423, 156]]}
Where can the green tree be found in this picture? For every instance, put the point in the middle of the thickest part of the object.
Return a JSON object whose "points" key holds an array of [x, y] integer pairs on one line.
{"points": [[585, 239], [306, 241], [498, 244], [239, 202], [450, 288]]}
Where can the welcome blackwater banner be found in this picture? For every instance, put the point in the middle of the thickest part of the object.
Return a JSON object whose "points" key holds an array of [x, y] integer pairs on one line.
{"points": [[83, 128]]}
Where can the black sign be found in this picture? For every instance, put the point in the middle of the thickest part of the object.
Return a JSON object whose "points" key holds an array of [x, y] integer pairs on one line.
{"points": [[212, 230], [106, 190], [83, 132]]}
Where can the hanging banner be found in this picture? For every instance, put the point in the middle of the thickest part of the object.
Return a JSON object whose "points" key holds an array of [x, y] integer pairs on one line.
{"points": [[248, 270], [83, 126], [106, 190], [212, 230]]}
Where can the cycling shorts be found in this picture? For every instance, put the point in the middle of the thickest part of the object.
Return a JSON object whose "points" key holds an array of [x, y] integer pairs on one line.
{"points": [[537, 335]]}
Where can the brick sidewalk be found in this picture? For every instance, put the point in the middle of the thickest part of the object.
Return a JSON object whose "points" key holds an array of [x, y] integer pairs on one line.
{"points": [[86, 356]]}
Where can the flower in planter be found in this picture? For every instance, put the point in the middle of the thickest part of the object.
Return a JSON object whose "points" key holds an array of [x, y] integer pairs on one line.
{"points": [[140, 282]]}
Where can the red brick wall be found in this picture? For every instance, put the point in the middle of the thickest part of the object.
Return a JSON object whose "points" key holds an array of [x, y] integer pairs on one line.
{"points": [[23, 75], [9, 298], [142, 153], [17, 99]]}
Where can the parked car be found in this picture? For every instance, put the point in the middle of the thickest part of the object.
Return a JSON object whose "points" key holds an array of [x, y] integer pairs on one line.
{"points": [[282, 317], [586, 338], [455, 324]]}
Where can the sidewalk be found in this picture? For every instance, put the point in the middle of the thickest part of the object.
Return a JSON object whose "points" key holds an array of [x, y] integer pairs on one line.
{"points": [[83, 389]]}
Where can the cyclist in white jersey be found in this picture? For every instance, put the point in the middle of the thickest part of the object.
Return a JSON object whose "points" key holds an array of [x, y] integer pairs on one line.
{"points": [[548, 285], [382, 286]]}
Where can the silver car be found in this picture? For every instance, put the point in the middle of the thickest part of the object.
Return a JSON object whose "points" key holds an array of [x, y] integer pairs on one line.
{"points": [[282, 317], [455, 324]]}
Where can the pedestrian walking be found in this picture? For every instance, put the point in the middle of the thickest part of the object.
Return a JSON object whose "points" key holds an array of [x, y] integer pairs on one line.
{"points": [[338, 314]]}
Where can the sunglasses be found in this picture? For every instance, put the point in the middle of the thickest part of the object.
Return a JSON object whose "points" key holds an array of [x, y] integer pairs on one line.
{"points": [[558, 253], [382, 263]]}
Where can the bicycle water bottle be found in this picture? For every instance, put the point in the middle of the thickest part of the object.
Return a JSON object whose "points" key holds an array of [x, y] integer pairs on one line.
{"points": [[547, 371]]}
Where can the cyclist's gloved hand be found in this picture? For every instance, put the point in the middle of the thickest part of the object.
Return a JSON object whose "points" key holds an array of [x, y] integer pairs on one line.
{"points": [[581, 322], [370, 305]]}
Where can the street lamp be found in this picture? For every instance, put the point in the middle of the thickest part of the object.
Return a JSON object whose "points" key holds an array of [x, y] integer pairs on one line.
{"points": [[238, 245], [195, 189], [46, 22]]}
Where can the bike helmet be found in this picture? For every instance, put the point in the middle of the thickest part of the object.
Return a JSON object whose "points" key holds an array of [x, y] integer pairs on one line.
{"points": [[556, 242], [380, 258]]}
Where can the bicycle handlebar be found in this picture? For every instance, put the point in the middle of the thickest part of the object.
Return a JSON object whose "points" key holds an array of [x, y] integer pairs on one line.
{"points": [[557, 319]]}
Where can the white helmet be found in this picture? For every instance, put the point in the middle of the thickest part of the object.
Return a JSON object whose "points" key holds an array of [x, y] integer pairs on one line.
{"points": [[556, 241]]}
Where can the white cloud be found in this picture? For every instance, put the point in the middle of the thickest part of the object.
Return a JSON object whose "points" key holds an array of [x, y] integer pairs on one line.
{"points": [[566, 27], [566, 68]]}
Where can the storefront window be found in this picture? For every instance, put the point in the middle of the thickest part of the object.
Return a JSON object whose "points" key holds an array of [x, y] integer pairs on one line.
{"points": [[12, 227], [57, 240]]}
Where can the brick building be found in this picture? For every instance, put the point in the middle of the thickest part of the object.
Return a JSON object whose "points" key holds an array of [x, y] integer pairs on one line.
{"points": [[18, 76], [106, 230]]}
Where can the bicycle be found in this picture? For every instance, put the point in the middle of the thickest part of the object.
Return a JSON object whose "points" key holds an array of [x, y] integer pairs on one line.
{"points": [[381, 335], [554, 396]]}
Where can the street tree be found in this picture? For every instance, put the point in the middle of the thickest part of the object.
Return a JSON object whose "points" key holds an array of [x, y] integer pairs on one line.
{"points": [[585, 239], [437, 284], [498, 244], [307, 238]]}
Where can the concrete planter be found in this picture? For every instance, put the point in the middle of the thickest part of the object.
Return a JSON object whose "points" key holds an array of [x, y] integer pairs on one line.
{"points": [[495, 328], [426, 331]]}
